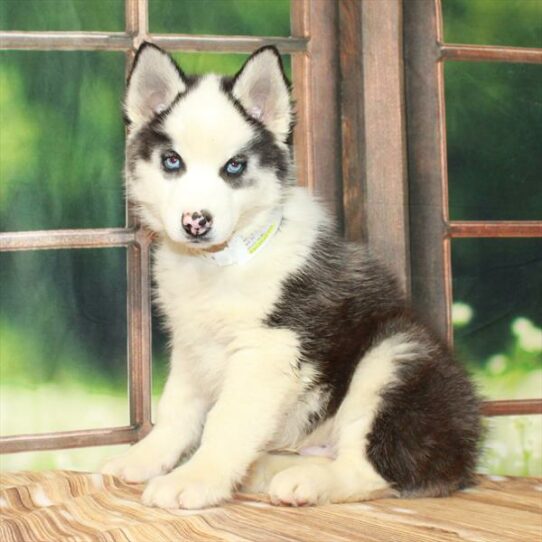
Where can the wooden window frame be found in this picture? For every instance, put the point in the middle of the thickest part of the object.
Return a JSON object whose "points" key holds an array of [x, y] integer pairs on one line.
{"points": [[376, 155], [315, 74], [430, 224], [394, 165]]}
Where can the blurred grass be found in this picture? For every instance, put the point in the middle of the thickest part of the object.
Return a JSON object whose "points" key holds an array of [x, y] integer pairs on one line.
{"points": [[513, 445], [82, 459]]}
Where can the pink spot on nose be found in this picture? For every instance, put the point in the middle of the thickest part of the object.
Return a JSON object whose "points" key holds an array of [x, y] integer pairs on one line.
{"points": [[197, 223]]}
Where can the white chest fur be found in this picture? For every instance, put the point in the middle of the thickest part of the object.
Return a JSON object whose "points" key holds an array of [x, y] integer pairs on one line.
{"points": [[208, 306]]}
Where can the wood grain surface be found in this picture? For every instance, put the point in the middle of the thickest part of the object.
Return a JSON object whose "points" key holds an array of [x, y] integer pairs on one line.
{"points": [[64, 506]]}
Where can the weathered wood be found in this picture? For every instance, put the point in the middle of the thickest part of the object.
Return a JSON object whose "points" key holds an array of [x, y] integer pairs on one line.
{"points": [[56, 239], [512, 407], [427, 167], [67, 439], [119, 41], [139, 335], [227, 44], [373, 121], [352, 120], [486, 53], [138, 264], [62, 505], [316, 92], [64, 41], [498, 228]]}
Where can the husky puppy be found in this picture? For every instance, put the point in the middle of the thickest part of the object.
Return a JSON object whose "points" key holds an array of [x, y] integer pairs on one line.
{"points": [[283, 336]]}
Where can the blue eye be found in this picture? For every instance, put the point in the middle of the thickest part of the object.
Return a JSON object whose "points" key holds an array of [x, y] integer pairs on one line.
{"points": [[235, 167], [172, 161]]}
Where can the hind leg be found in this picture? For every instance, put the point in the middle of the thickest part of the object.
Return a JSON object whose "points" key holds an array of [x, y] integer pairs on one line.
{"points": [[319, 480], [297, 480], [263, 470], [351, 476], [307, 485]]}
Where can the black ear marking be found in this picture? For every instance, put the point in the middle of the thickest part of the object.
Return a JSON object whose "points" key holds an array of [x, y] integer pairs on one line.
{"points": [[275, 51], [154, 82], [263, 90], [142, 48]]}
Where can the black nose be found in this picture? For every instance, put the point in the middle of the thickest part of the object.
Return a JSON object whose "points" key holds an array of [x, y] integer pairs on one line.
{"points": [[198, 223]]}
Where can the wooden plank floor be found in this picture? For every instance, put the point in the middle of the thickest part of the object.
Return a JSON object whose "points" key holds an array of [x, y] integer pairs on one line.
{"points": [[63, 506]]}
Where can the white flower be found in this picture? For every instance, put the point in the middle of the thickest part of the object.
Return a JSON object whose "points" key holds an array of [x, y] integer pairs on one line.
{"points": [[497, 363], [528, 335], [461, 314]]}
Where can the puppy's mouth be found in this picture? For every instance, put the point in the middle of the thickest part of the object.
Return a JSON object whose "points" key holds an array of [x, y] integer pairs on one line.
{"points": [[205, 243], [216, 248], [199, 240]]}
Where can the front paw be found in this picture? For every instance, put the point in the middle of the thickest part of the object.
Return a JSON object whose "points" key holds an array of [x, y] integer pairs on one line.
{"points": [[142, 461], [186, 488]]}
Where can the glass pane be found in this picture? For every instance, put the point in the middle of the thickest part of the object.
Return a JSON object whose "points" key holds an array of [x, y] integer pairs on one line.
{"points": [[230, 17], [62, 340], [83, 459], [513, 446], [494, 127], [105, 15], [230, 64], [493, 22], [62, 140], [497, 314]]}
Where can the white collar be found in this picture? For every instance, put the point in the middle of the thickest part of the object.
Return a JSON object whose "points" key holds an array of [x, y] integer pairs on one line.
{"points": [[243, 247]]}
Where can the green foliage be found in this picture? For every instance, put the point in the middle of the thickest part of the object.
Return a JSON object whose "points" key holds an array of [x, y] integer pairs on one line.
{"points": [[500, 280], [493, 22], [516, 372], [494, 125], [104, 15], [23, 127], [231, 17], [62, 312], [514, 443], [62, 140]]}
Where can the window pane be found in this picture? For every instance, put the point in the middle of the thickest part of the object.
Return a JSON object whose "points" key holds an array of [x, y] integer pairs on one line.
{"points": [[225, 64], [494, 127], [83, 459], [493, 22], [231, 17], [497, 313], [62, 140], [62, 340], [105, 15]]}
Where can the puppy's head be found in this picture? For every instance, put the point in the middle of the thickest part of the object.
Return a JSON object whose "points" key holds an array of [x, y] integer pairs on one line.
{"points": [[207, 156]]}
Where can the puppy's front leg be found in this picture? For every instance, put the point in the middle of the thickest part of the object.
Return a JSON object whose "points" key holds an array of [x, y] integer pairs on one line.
{"points": [[260, 383], [181, 412]]}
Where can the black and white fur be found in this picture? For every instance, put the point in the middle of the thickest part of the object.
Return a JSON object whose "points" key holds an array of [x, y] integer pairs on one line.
{"points": [[308, 344]]}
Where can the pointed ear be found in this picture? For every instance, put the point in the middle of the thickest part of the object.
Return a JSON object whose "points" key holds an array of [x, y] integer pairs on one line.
{"points": [[264, 91], [153, 84]]}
